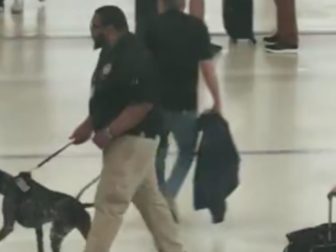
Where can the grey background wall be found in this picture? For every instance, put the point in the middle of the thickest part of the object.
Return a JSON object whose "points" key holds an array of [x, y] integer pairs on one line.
{"points": [[72, 17]]}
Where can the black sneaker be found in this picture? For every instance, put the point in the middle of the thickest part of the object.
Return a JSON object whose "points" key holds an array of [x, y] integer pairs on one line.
{"points": [[271, 40], [281, 48]]}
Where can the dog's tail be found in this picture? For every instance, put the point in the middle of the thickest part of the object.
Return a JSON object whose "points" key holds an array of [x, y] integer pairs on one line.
{"points": [[85, 188]]}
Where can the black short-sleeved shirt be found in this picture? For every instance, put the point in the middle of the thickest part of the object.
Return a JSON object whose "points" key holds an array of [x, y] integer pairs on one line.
{"points": [[125, 75], [178, 42]]}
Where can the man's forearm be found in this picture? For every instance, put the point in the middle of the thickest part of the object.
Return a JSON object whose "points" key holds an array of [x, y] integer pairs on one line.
{"points": [[129, 118], [210, 77]]}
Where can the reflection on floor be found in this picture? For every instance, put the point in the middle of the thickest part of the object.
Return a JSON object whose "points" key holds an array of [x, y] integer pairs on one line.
{"points": [[281, 110]]}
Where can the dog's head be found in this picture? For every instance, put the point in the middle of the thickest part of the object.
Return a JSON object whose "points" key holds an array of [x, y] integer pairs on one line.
{"points": [[7, 180]]}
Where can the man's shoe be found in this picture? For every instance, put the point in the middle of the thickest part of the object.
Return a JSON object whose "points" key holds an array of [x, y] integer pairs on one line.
{"points": [[271, 40], [282, 48]]}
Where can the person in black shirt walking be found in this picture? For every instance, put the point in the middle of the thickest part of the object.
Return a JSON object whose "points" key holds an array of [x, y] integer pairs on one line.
{"points": [[196, 9], [124, 125], [145, 12], [180, 44]]}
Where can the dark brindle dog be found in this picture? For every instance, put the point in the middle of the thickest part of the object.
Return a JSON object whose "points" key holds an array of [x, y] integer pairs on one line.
{"points": [[35, 205]]}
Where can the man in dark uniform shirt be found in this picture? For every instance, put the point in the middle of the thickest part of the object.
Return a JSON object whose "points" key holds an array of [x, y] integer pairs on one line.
{"points": [[124, 125], [180, 44], [147, 10]]}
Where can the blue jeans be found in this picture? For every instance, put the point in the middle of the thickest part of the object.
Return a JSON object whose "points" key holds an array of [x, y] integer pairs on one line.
{"points": [[183, 127]]}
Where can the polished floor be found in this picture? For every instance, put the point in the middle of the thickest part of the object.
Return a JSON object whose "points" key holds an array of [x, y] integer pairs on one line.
{"points": [[281, 109]]}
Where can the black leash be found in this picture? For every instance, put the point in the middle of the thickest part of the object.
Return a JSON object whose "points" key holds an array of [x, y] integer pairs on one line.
{"points": [[85, 188], [55, 154], [21, 179]]}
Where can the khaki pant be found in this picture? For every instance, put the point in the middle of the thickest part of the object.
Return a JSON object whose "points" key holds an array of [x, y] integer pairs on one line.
{"points": [[128, 175], [287, 24]]}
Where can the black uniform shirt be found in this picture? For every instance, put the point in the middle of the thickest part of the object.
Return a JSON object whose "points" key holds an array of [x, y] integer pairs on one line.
{"points": [[125, 75], [179, 42]]}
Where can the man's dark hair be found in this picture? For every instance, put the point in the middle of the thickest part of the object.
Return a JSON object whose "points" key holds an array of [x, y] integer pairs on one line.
{"points": [[172, 4], [112, 15]]}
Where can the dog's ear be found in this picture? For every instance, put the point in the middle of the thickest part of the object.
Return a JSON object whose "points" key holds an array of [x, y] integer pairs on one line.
{"points": [[3, 174]]}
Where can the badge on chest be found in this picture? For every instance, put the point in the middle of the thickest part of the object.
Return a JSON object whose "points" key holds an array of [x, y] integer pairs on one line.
{"points": [[106, 70]]}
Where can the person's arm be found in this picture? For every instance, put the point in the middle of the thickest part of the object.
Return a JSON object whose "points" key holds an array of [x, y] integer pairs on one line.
{"points": [[129, 118], [83, 132], [211, 81], [207, 67], [143, 96], [87, 123]]}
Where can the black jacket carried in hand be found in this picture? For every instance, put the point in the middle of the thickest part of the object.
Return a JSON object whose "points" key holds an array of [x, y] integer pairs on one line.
{"points": [[217, 166]]}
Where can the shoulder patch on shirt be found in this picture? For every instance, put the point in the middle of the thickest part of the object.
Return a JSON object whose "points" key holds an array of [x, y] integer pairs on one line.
{"points": [[107, 69]]}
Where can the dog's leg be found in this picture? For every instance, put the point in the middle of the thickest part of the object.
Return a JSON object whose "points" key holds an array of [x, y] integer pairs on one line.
{"points": [[56, 242], [8, 211], [39, 236], [57, 235], [83, 224], [5, 231]]}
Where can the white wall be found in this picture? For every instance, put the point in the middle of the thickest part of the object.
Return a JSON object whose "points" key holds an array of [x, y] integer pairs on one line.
{"points": [[72, 17]]}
